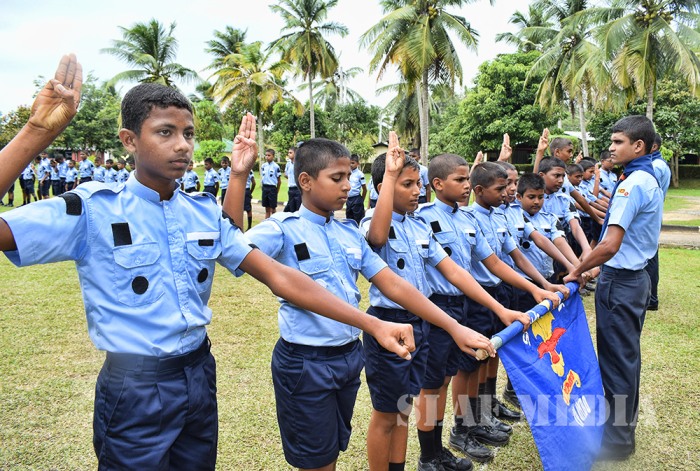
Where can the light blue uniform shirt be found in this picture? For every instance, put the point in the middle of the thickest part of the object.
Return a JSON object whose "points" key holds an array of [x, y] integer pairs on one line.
{"points": [[608, 180], [189, 179], [99, 174], [145, 266], [224, 177], [517, 226], [561, 206], [210, 177], [71, 175], [637, 207], [54, 174], [28, 172], [373, 195], [269, 173], [662, 172], [249, 181], [357, 179], [110, 175], [410, 247], [122, 175], [547, 225], [459, 236], [86, 168], [62, 169], [289, 172], [494, 226], [583, 190], [424, 180], [330, 251]]}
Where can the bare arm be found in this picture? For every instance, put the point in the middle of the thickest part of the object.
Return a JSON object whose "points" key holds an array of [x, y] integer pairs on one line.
{"points": [[302, 291], [604, 251], [378, 233], [580, 236], [548, 247], [7, 239], [510, 276], [541, 148], [529, 269], [53, 109], [565, 249], [243, 156]]}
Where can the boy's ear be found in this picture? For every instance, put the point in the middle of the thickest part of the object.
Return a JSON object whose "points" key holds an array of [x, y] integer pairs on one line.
{"points": [[478, 189], [128, 138], [518, 196], [379, 187], [304, 181], [436, 184]]}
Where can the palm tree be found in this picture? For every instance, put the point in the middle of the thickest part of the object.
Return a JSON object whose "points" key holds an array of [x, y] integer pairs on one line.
{"points": [[571, 64], [333, 90], [535, 19], [253, 77], [647, 41], [226, 43], [151, 50], [414, 36], [305, 44]]}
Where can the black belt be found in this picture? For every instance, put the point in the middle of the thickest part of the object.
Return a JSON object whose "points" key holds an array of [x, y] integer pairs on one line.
{"points": [[448, 300], [129, 361], [322, 351]]}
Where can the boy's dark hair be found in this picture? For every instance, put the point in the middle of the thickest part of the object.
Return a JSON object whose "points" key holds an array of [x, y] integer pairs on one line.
{"points": [[506, 165], [140, 100], [658, 140], [379, 165], [605, 155], [354, 158], [225, 159], [530, 181], [270, 151], [209, 161], [415, 150], [109, 161], [586, 164], [316, 154], [637, 128], [485, 174], [443, 165], [573, 168], [546, 165], [559, 143]]}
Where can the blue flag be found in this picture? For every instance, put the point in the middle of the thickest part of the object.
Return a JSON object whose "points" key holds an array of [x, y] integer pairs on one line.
{"points": [[555, 373]]}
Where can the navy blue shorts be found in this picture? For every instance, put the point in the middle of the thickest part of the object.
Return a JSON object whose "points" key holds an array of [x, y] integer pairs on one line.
{"points": [[211, 189], [223, 195], [505, 294], [525, 301], [28, 185], [85, 180], [315, 392], [246, 202], [56, 187], [443, 352], [157, 413], [294, 200], [44, 187], [191, 189], [482, 320], [372, 203], [393, 381], [355, 208], [269, 196]]}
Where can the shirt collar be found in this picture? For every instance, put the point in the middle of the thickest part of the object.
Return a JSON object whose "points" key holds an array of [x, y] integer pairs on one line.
{"points": [[446, 207], [397, 217], [142, 191], [481, 209], [313, 217]]}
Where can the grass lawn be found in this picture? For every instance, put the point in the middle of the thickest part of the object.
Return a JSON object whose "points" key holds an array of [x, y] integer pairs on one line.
{"points": [[48, 368]]}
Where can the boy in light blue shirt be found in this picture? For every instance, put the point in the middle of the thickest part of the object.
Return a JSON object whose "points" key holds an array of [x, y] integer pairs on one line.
{"points": [[86, 167], [355, 206], [224, 176], [99, 171], [110, 173], [629, 239], [293, 193], [407, 244], [327, 353], [271, 181], [71, 176], [211, 178]]}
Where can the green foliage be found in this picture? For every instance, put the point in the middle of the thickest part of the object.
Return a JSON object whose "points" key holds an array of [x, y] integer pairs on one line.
{"points": [[12, 122], [208, 121], [352, 119], [362, 146], [210, 149], [500, 102], [288, 128]]}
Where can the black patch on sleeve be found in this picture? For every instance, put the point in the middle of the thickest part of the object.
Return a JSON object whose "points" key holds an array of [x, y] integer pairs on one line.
{"points": [[206, 242], [435, 225], [74, 207], [302, 251], [392, 233], [230, 219], [139, 285], [121, 234], [559, 226], [526, 219], [253, 246], [448, 251], [572, 207]]}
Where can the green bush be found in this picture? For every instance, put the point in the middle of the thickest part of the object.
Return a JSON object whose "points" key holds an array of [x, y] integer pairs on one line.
{"points": [[688, 171], [212, 149]]}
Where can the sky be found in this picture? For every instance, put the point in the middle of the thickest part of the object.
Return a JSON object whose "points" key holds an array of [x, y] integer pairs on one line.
{"points": [[35, 34]]}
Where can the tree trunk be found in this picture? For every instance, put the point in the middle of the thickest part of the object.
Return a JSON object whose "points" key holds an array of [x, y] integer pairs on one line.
{"points": [[424, 112], [311, 109], [582, 125], [650, 101], [674, 170], [259, 130]]}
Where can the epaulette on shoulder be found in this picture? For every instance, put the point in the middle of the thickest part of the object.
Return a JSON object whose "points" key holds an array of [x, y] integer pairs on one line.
{"points": [[283, 216], [425, 205], [200, 194], [86, 190], [348, 222]]}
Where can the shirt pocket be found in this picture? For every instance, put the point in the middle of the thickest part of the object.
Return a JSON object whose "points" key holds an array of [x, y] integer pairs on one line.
{"points": [[423, 248], [316, 267], [397, 254], [202, 258], [448, 240], [138, 279]]}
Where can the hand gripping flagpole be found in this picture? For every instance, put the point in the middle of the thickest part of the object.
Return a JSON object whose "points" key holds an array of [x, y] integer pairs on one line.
{"points": [[516, 328]]}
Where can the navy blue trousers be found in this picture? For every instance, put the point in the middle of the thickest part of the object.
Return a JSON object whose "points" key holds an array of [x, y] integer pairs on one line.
{"points": [[157, 414], [621, 299], [652, 269]]}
